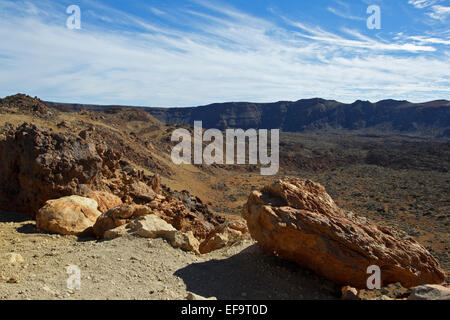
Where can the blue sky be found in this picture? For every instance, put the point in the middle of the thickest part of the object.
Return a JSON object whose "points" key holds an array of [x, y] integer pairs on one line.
{"points": [[195, 52]]}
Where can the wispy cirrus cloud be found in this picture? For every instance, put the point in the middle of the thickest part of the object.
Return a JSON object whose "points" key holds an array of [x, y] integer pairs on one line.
{"points": [[420, 4], [344, 15], [435, 9], [439, 13], [358, 40], [424, 39], [199, 56]]}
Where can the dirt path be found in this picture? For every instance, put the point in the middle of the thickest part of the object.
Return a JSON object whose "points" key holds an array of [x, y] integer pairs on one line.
{"points": [[137, 268]]}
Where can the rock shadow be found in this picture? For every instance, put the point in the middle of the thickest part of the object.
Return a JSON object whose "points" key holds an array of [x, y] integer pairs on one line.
{"points": [[254, 275], [29, 228], [13, 217]]}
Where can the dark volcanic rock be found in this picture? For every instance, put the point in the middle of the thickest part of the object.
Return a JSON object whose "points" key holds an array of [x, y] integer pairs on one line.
{"points": [[315, 114], [39, 165], [430, 118], [26, 105]]}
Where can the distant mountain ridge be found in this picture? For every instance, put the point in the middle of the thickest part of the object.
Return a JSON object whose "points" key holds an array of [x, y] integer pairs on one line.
{"points": [[429, 118]]}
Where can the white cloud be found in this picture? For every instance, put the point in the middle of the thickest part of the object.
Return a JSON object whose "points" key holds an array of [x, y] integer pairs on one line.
{"points": [[424, 39], [439, 13], [157, 11], [344, 15], [359, 41], [420, 4], [231, 56], [435, 11]]}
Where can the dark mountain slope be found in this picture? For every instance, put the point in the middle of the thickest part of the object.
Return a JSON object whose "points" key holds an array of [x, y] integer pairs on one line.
{"points": [[317, 114], [430, 118]]}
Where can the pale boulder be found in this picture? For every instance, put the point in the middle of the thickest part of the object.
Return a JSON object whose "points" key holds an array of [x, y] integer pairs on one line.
{"points": [[67, 216], [14, 259], [151, 226], [430, 292]]}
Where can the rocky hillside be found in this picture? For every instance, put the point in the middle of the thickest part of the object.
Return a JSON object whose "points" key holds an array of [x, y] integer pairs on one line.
{"points": [[430, 118], [103, 180]]}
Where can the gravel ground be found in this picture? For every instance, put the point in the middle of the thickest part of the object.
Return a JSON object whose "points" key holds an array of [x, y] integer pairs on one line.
{"points": [[136, 268]]}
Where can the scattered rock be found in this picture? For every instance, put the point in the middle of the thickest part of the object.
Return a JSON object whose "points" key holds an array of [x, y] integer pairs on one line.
{"points": [[349, 293], [13, 280], [169, 209], [151, 226], [26, 105], [15, 259], [119, 216], [141, 193], [41, 165], [183, 240], [156, 184], [63, 124], [106, 201], [194, 297], [145, 224], [224, 235], [48, 290], [297, 220], [430, 292], [68, 216], [116, 232]]}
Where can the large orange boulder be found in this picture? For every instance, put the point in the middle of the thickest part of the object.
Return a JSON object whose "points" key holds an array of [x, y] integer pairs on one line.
{"points": [[297, 220], [106, 201], [68, 216]]}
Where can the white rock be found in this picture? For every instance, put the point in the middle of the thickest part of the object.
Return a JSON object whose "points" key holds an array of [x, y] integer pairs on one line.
{"points": [[15, 259], [68, 216], [182, 240], [151, 226], [430, 292], [193, 297]]}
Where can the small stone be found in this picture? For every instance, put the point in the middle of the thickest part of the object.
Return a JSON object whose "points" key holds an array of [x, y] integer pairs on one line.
{"points": [[152, 226], [349, 293], [430, 292], [116, 232], [13, 279], [185, 241], [15, 259], [195, 297], [47, 289]]}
